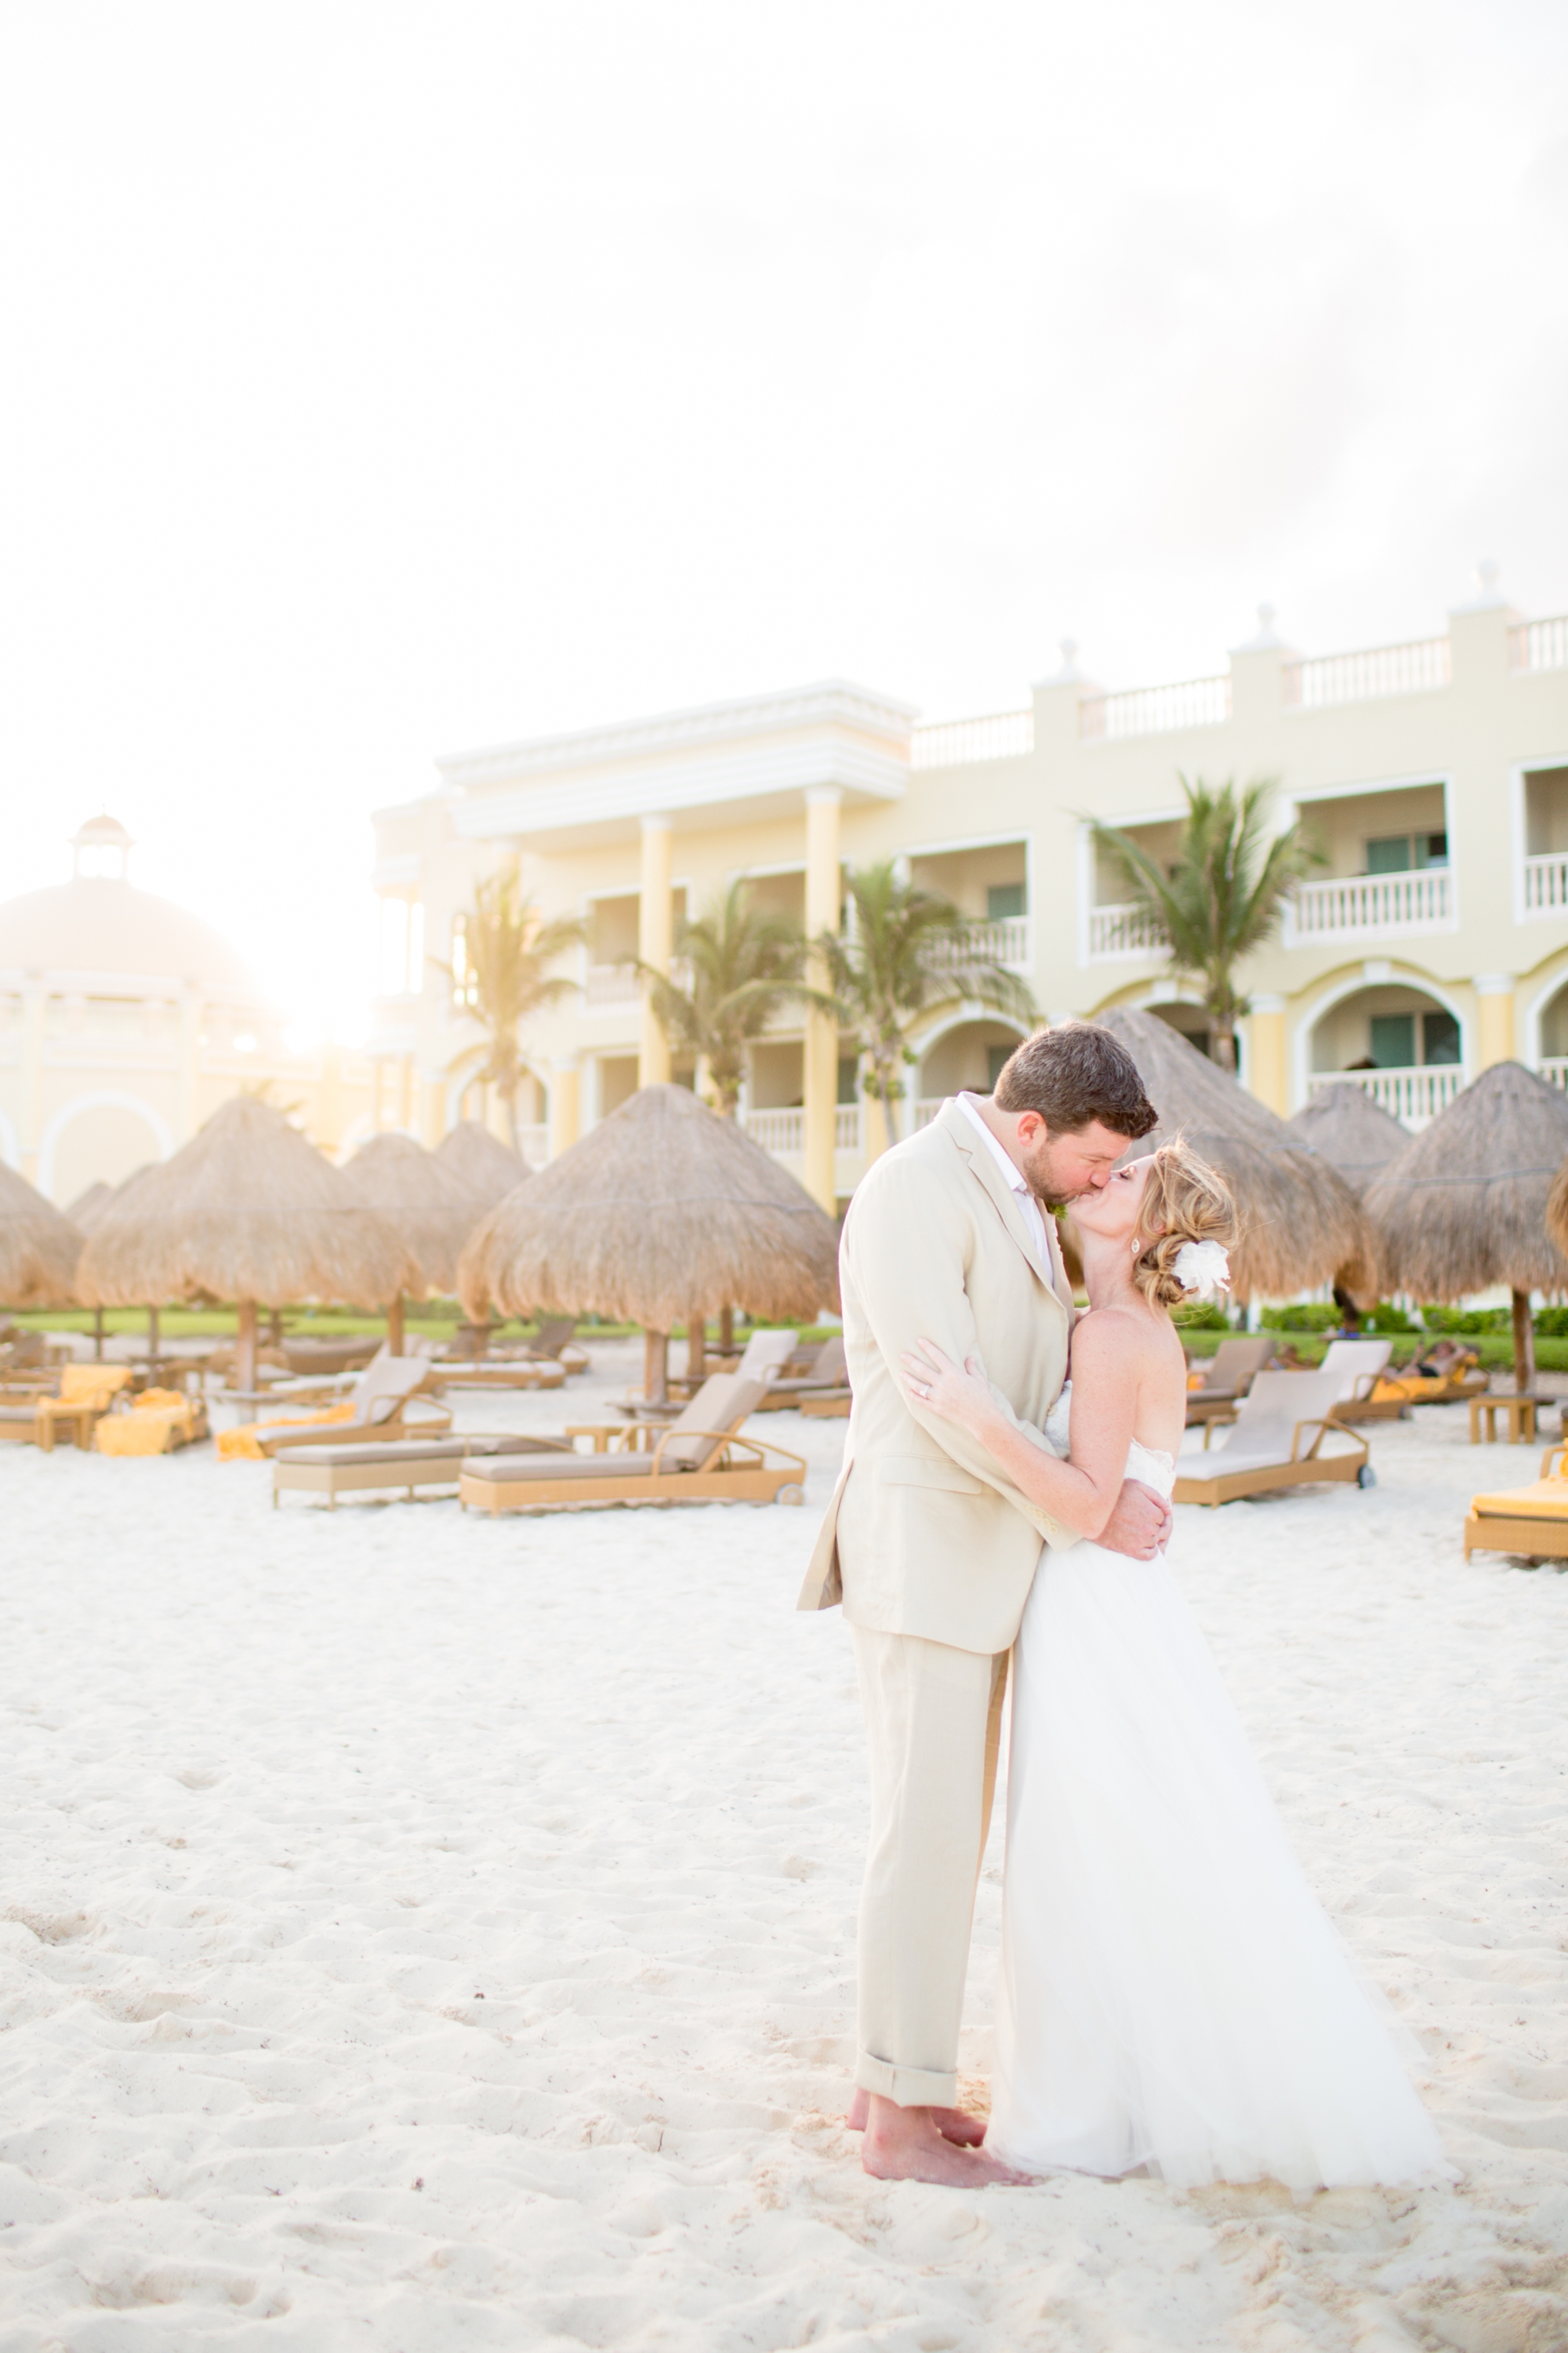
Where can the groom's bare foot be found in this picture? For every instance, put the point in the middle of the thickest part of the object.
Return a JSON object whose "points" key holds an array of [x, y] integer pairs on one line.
{"points": [[955, 2124], [905, 2145]]}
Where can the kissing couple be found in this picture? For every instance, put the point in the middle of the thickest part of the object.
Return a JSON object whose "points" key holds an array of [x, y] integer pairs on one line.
{"points": [[1172, 1998]]}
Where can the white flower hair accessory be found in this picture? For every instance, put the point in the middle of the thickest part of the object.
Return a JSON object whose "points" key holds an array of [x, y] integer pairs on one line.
{"points": [[1202, 1267]]}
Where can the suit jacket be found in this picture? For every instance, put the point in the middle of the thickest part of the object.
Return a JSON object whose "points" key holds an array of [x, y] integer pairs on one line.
{"points": [[926, 1533]]}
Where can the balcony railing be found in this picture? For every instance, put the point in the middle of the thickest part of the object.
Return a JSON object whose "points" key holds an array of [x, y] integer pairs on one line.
{"points": [[1553, 1069], [782, 1133], [1414, 669], [1412, 1096], [1359, 903], [1127, 931], [927, 1108], [1546, 884], [535, 1143], [1539, 645], [1006, 941], [612, 984], [1003, 736], [1155, 710]]}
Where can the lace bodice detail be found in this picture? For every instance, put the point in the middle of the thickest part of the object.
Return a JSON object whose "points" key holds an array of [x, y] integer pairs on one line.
{"points": [[1149, 1464]]}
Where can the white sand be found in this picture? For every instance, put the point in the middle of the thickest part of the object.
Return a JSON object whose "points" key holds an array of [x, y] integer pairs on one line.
{"points": [[424, 1933]]}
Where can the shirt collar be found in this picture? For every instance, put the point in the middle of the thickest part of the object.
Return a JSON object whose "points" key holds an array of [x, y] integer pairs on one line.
{"points": [[969, 1105]]}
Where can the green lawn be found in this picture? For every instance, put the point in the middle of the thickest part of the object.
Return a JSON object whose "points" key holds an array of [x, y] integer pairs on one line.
{"points": [[1495, 1349]]}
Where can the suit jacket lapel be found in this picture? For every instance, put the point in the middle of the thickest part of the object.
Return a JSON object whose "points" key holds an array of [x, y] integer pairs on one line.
{"points": [[984, 1166]]}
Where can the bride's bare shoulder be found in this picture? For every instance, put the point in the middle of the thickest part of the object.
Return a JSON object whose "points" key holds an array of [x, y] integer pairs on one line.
{"points": [[1121, 1340]]}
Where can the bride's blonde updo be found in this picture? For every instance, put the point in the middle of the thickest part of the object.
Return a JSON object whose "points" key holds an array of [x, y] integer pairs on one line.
{"points": [[1188, 1201]]}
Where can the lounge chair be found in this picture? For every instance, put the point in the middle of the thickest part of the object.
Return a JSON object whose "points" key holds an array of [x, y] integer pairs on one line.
{"points": [[86, 1394], [763, 1358], [1267, 1446], [157, 1422], [828, 1405], [555, 1343], [375, 1409], [1360, 1365], [398, 1465], [828, 1378], [1532, 1521], [699, 1458], [1228, 1375]]}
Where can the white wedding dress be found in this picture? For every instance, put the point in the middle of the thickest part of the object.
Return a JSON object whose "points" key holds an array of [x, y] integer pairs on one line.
{"points": [[1172, 1994]]}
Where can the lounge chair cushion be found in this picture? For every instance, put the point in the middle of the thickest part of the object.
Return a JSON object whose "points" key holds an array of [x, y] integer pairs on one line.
{"points": [[1544, 1499], [426, 1450], [507, 1469]]}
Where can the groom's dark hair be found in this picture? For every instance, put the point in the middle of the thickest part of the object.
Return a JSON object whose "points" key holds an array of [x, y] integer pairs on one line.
{"points": [[1073, 1074]]}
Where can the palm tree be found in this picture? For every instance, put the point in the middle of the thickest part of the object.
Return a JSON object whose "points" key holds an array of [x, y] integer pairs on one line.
{"points": [[744, 965], [1222, 896], [508, 949], [907, 954]]}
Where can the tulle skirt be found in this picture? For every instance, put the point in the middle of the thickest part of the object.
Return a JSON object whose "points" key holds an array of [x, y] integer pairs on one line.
{"points": [[1172, 1994]]}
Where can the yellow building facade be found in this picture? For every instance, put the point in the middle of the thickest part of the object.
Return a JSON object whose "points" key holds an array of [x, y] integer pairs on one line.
{"points": [[1431, 941]]}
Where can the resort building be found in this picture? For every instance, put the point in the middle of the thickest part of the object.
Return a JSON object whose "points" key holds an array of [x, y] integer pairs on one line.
{"points": [[125, 1020], [1432, 941]]}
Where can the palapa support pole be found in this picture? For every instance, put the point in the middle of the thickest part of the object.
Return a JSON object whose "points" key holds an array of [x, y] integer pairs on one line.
{"points": [[394, 1325], [1523, 1344], [152, 1335], [656, 1367], [274, 1328], [697, 1344], [726, 1331], [245, 1346], [98, 1333]]}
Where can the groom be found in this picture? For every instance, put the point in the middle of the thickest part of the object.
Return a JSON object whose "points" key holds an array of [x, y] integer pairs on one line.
{"points": [[932, 1549]]}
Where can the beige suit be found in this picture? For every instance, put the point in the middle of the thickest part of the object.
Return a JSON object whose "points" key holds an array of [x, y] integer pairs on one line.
{"points": [[933, 1550]]}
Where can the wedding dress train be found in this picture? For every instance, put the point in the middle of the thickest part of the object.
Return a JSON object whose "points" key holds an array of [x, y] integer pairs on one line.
{"points": [[1172, 1994]]}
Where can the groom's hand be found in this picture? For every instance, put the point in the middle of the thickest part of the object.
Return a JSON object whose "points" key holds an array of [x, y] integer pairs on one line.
{"points": [[1139, 1524]]}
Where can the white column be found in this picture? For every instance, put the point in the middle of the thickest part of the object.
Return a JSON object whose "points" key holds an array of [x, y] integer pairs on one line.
{"points": [[820, 1089], [655, 943]]}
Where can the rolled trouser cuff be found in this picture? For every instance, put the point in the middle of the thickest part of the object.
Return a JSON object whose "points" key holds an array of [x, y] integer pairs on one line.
{"points": [[907, 2087]]}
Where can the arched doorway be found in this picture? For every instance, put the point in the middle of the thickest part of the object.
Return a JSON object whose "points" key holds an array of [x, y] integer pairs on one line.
{"points": [[967, 1057], [1551, 1037], [99, 1138], [1398, 1040]]}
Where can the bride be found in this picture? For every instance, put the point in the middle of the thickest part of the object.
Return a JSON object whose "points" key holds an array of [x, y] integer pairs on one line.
{"points": [[1173, 1996]]}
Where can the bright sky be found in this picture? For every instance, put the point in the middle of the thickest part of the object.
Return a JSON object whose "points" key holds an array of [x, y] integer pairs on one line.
{"points": [[385, 380]]}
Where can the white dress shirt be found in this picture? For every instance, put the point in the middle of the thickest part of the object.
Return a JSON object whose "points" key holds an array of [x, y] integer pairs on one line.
{"points": [[1030, 1209]]}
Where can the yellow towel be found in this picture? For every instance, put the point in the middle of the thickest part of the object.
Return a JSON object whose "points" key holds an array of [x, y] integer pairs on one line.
{"points": [[153, 1432], [79, 1384], [240, 1445], [1405, 1386], [1545, 1499]]}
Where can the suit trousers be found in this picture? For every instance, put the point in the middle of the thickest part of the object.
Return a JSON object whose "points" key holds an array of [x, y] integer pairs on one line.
{"points": [[934, 1724]]}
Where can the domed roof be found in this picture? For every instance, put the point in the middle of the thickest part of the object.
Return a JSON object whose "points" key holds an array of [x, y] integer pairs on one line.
{"points": [[104, 925]]}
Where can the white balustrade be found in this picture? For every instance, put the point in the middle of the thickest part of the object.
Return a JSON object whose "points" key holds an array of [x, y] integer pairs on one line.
{"points": [[1155, 710], [535, 1144], [846, 1128], [927, 1109], [1553, 1069], [612, 984], [777, 1131], [1412, 1096], [1128, 931], [1008, 941], [1414, 669], [1546, 883], [1006, 735], [1539, 645], [1421, 900]]}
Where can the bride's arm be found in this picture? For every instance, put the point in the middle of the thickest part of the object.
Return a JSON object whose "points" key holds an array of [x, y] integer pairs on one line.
{"points": [[1107, 1364]]}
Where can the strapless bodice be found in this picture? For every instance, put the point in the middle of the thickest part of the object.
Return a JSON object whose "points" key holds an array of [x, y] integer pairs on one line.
{"points": [[1149, 1465]]}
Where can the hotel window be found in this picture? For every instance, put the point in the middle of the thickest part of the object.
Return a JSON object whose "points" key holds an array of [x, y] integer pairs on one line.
{"points": [[1394, 1035], [1402, 854], [1003, 900]]}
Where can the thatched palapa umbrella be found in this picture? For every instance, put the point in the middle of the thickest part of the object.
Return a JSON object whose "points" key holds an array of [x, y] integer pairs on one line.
{"points": [[660, 1214], [481, 1164], [1301, 1223], [1353, 1133], [38, 1248], [86, 1207], [248, 1210], [1465, 1205], [430, 1212]]}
